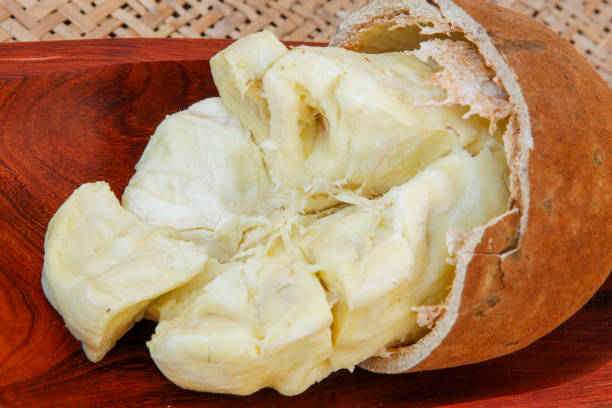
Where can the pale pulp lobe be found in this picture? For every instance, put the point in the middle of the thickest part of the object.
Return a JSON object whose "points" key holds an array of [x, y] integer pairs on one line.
{"points": [[103, 266]]}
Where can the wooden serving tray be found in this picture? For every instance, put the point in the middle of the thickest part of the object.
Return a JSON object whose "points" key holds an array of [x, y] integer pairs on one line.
{"points": [[75, 112]]}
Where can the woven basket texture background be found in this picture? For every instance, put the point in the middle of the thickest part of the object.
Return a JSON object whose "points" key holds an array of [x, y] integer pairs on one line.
{"points": [[587, 24]]}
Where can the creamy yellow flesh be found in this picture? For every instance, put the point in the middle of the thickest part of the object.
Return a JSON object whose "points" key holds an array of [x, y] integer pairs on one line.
{"points": [[202, 175], [266, 321], [103, 266], [332, 117], [322, 186], [263, 322]]}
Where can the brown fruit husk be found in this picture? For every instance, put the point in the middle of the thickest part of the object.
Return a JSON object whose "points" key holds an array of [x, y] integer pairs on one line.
{"points": [[527, 271]]}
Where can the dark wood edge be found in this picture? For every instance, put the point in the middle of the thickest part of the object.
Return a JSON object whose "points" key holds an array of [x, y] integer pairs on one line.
{"points": [[27, 58]]}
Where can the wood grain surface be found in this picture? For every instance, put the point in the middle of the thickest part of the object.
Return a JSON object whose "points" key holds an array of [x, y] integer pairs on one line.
{"points": [[75, 112]]}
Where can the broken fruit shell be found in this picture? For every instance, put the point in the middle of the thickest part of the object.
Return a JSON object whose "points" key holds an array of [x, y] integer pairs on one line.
{"points": [[527, 271]]}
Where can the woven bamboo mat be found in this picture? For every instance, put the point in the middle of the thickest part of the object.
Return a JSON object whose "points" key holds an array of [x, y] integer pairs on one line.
{"points": [[586, 24]]}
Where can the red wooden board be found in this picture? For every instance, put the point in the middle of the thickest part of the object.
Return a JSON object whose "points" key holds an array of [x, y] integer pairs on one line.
{"points": [[74, 112]]}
